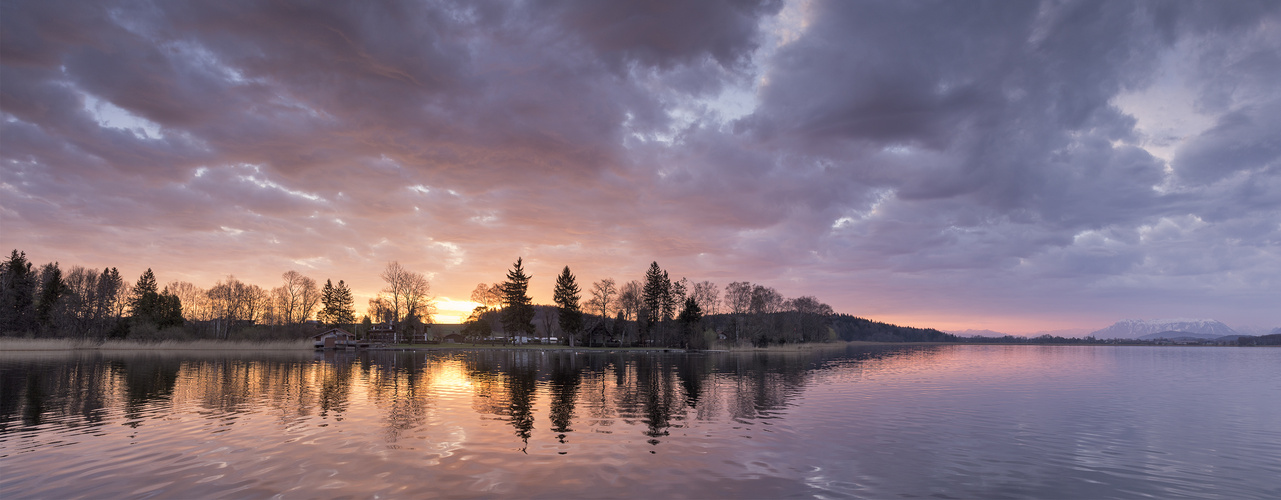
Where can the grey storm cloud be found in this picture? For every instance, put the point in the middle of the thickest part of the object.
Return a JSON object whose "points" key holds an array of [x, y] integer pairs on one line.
{"points": [[932, 160]]}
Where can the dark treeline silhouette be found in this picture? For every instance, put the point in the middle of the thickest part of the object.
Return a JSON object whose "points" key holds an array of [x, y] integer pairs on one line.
{"points": [[1249, 340], [657, 311], [853, 328], [50, 302], [1243, 340]]}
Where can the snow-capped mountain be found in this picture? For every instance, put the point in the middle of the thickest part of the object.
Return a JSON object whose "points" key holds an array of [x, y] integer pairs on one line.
{"points": [[1135, 328]]}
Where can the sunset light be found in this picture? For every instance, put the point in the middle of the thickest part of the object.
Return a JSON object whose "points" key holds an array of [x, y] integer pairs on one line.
{"points": [[1030, 168], [650, 249]]}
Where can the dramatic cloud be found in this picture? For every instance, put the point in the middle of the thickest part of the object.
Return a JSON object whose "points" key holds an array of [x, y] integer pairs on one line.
{"points": [[1016, 166]]}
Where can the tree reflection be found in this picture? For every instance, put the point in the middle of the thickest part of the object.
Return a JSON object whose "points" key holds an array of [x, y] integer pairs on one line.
{"points": [[398, 387], [522, 381], [146, 379], [335, 376], [566, 378], [655, 388], [601, 392]]}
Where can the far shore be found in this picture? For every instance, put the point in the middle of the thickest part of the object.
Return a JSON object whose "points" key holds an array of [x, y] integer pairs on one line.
{"points": [[29, 345], [24, 344]]}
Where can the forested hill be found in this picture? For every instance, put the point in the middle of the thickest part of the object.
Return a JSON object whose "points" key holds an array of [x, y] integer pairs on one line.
{"points": [[854, 328]]}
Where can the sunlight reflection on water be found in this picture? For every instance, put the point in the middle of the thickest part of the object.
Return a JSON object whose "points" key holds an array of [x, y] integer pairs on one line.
{"points": [[947, 421]]}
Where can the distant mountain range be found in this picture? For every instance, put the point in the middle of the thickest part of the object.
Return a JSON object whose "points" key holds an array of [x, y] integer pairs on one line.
{"points": [[975, 333], [1165, 328], [1140, 329], [1069, 332], [1173, 335]]}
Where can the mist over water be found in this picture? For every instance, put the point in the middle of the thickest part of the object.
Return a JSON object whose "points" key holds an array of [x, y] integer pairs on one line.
{"points": [[875, 422]]}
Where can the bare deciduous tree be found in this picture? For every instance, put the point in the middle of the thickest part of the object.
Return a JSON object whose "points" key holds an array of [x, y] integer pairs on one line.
{"points": [[408, 294], [630, 299], [235, 304], [497, 295], [707, 295], [738, 297], [765, 300], [78, 305], [490, 296], [380, 310], [418, 301], [195, 302], [296, 298], [603, 295]]}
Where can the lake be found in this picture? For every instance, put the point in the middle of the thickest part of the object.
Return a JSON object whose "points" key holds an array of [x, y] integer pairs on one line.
{"points": [[948, 421]]}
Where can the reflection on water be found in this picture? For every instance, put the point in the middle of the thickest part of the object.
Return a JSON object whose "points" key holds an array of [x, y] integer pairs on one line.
{"points": [[949, 421]]}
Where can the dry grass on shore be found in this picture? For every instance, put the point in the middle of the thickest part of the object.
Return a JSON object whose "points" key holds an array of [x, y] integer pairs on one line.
{"points": [[22, 344], [804, 347]]}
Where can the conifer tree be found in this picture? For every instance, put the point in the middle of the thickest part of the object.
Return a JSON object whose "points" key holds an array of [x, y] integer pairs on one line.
{"points": [[144, 304], [107, 308], [657, 294], [657, 299], [345, 310], [691, 314], [17, 294], [328, 306], [566, 296], [52, 288], [168, 310], [337, 304], [518, 310], [667, 298]]}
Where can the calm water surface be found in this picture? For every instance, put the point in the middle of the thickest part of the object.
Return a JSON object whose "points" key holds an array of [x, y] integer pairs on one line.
{"points": [[878, 422]]}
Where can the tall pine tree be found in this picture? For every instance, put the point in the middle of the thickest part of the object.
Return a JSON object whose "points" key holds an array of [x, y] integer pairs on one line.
{"points": [[52, 288], [657, 298], [17, 294], [327, 304], [144, 304], [337, 305], [168, 310], [518, 309], [691, 314], [566, 295], [345, 310], [656, 292], [107, 308]]}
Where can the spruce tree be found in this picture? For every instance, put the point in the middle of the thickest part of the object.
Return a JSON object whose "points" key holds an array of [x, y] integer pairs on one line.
{"points": [[17, 294], [52, 288], [566, 295], [144, 304], [168, 310], [105, 311], [518, 310], [667, 297], [657, 294], [691, 314], [345, 305], [328, 304]]}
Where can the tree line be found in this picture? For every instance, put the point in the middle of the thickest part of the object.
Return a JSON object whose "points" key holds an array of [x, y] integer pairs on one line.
{"points": [[84, 303], [654, 311]]}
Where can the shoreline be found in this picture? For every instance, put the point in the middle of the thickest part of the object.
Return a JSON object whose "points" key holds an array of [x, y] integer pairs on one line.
{"points": [[45, 345], [48, 345]]}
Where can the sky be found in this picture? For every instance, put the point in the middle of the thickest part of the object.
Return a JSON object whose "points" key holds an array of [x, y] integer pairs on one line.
{"points": [[1014, 166]]}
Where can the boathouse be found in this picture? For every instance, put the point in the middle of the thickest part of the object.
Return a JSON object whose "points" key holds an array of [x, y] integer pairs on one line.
{"points": [[334, 338]]}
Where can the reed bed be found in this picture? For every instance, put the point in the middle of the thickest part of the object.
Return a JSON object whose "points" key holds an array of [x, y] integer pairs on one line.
{"points": [[805, 347]]}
